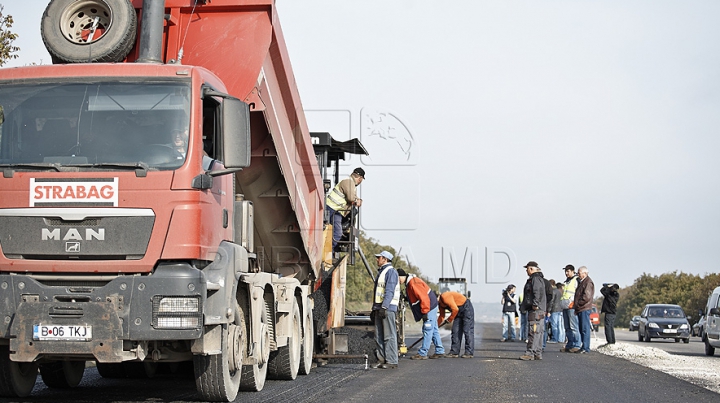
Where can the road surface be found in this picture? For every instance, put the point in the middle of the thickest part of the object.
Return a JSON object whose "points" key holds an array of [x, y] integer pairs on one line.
{"points": [[494, 375]]}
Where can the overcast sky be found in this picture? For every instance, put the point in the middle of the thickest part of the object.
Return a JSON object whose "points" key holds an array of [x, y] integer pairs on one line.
{"points": [[579, 132]]}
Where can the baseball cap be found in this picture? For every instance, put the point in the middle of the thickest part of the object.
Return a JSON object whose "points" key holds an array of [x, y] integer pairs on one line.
{"points": [[387, 255], [401, 273], [569, 267], [359, 171]]}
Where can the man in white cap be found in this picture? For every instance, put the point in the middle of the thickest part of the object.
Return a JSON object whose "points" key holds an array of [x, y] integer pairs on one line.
{"points": [[385, 304]]}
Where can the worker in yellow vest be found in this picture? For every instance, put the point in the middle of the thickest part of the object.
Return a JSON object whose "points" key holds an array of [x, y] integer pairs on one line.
{"points": [[340, 200]]}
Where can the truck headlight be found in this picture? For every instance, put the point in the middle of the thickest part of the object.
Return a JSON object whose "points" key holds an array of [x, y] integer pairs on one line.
{"points": [[653, 325], [180, 312]]}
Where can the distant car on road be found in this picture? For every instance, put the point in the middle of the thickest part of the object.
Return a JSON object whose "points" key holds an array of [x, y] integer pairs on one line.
{"points": [[663, 321], [634, 323], [595, 318], [711, 330], [697, 328]]}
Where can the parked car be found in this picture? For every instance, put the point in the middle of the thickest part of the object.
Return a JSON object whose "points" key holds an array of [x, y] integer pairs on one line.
{"points": [[595, 318], [697, 328], [711, 330], [663, 321], [634, 323]]}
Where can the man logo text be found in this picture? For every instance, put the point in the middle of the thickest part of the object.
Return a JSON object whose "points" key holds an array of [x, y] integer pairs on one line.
{"points": [[73, 234]]}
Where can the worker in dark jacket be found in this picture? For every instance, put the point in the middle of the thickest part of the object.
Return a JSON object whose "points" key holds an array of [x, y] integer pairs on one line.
{"points": [[535, 302], [583, 306], [609, 306]]}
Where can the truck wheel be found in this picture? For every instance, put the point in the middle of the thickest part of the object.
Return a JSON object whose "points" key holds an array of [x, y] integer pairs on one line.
{"points": [[217, 377], [308, 345], [686, 340], [111, 371], [17, 379], [83, 31], [285, 362], [647, 336], [640, 336], [62, 374], [140, 369], [253, 376]]}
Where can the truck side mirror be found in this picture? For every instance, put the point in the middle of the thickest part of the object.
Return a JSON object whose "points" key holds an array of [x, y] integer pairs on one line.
{"points": [[235, 133]]}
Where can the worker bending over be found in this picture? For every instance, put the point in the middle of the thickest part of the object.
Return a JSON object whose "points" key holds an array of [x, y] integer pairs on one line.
{"points": [[424, 305], [462, 317]]}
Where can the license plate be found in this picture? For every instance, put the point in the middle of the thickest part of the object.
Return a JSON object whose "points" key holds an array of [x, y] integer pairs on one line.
{"points": [[62, 332], [669, 330]]}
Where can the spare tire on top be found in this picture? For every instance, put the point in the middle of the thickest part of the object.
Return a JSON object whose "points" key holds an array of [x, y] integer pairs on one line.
{"points": [[85, 31]]}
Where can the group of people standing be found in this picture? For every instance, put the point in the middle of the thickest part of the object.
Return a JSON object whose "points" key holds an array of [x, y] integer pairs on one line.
{"points": [[565, 305], [426, 306]]}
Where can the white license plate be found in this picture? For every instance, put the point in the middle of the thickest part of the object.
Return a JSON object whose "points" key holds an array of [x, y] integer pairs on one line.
{"points": [[62, 332], [669, 330]]}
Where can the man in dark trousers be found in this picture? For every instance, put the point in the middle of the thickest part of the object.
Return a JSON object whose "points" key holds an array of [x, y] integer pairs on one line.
{"points": [[535, 302], [385, 306], [609, 306], [462, 317]]}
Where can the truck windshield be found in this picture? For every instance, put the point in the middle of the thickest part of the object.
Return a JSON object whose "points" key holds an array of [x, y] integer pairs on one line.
{"points": [[94, 125]]}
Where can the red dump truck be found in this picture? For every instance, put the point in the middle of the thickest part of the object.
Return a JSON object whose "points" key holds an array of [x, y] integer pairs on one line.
{"points": [[160, 199]]}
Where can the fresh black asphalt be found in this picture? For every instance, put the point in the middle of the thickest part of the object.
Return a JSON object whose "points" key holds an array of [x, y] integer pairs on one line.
{"points": [[494, 375]]}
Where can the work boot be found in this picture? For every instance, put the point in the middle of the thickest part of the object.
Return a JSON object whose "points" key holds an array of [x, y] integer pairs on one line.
{"points": [[388, 366], [574, 350], [419, 357], [526, 357], [466, 356], [434, 356], [452, 356], [378, 364], [538, 358]]}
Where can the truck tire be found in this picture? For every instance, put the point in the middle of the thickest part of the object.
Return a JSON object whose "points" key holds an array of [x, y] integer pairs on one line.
{"points": [[111, 371], [62, 374], [308, 345], [85, 31], [17, 379], [285, 362], [217, 377], [140, 369], [253, 376]]}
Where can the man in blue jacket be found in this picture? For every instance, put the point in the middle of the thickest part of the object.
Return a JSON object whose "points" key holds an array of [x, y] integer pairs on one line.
{"points": [[385, 304]]}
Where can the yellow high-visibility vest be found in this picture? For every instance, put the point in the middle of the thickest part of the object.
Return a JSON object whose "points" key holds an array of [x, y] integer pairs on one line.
{"points": [[569, 289], [380, 289], [336, 199]]}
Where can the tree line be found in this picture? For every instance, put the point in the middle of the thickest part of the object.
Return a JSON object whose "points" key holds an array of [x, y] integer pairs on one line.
{"points": [[359, 286], [690, 291]]}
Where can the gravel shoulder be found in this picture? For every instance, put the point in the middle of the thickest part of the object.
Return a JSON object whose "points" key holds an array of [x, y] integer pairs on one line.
{"points": [[698, 370]]}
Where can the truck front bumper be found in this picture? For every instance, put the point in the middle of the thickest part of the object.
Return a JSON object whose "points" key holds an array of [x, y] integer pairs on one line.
{"points": [[126, 309]]}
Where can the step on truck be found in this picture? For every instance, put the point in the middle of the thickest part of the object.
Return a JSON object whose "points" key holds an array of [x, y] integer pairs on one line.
{"points": [[160, 199]]}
